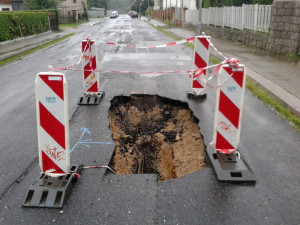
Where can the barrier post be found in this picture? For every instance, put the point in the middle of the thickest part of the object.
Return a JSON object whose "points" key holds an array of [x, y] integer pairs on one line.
{"points": [[53, 123], [229, 105], [53, 187], [92, 94], [201, 60], [227, 161]]}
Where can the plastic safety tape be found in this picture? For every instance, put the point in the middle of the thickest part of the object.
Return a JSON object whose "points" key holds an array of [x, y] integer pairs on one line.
{"points": [[155, 46]]}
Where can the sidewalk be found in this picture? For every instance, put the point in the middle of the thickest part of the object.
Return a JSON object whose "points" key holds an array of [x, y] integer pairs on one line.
{"points": [[280, 79], [12, 48]]}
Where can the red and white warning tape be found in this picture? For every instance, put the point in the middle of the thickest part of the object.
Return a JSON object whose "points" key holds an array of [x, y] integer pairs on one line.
{"points": [[88, 38], [196, 74], [124, 71], [212, 45], [92, 167], [155, 46], [193, 74], [77, 175]]}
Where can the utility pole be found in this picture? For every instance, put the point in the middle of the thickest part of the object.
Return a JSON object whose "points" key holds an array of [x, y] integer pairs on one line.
{"points": [[182, 11], [148, 12], [200, 19]]}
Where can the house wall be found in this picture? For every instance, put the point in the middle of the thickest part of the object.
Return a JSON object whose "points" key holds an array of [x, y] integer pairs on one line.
{"points": [[69, 5], [3, 7], [5, 4], [70, 9], [189, 4]]}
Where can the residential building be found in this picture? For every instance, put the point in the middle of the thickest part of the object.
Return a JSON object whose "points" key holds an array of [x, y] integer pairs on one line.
{"points": [[187, 4], [71, 9], [5, 5], [157, 4]]}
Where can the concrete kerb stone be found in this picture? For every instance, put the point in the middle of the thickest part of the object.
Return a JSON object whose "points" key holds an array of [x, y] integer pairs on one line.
{"points": [[278, 93], [6, 55], [25, 38]]}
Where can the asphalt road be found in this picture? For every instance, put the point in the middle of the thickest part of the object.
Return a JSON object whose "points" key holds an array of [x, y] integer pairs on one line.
{"points": [[269, 144]]}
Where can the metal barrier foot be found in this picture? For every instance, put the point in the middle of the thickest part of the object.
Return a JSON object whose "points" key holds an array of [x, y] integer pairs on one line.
{"points": [[91, 99], [230, 168], [51, 192], [193, 95]]}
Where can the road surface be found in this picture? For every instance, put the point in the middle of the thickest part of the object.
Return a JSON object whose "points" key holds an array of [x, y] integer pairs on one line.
{"points": [[269, 144]]}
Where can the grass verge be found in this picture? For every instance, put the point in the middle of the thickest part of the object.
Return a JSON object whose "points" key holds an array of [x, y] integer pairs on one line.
{"points": [[3, 62], [271, 102], [255, 89], [68, 25]]}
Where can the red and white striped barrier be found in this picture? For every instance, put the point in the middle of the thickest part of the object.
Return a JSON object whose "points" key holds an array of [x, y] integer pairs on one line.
{"points": [[201, 59], [229, 105], [155, 46], [52, 123], [89, 66]]}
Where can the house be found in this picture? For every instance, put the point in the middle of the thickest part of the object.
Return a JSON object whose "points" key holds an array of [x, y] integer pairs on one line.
{"points": [[187, 4], [157, 4], [5, 5], [71, 10]]}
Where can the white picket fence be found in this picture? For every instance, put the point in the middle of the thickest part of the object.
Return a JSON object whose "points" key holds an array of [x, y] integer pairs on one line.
{"points": [[253, 17]]}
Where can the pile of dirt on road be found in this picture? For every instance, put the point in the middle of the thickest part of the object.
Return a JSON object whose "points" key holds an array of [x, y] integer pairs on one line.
{"points": [[155, 135]]}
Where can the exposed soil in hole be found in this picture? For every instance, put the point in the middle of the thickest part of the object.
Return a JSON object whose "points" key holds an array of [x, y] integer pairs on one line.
{"points": [[155, 135]]}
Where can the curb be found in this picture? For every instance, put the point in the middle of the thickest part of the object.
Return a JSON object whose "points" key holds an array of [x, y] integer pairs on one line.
{"points": [[24, 38], [278, 93], [31, 47], [282, 96]]}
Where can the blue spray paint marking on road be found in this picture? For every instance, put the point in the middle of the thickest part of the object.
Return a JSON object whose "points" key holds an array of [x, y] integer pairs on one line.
{"points": [[87, 142]]}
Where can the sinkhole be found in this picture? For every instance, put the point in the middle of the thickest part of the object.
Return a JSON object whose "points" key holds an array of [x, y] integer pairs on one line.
{"points": [[155, 135]]}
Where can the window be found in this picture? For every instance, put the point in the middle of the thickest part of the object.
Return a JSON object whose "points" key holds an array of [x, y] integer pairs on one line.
{"points": [[74, 1], [5, 9]]}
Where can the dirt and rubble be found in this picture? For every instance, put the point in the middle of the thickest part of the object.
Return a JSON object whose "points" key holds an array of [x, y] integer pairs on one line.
{"points": [[156, 135]]}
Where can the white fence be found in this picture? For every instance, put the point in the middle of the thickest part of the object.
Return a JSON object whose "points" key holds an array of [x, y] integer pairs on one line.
{"points": [[192, 16], [253, 17]]}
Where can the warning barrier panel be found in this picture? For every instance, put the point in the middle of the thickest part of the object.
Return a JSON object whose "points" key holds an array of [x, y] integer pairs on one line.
{"points": [[229, 105], [89, 66], [52, 123], [201, 59]]}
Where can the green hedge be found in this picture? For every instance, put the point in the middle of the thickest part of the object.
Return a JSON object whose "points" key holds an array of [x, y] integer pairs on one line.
{"points": [[20, 24]]}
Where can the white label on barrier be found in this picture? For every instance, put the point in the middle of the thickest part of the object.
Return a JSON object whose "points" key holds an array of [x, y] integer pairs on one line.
{"points": [[54, 78]]}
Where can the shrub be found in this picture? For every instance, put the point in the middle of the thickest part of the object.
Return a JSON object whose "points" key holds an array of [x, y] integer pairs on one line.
{"points": [[20, 24]]}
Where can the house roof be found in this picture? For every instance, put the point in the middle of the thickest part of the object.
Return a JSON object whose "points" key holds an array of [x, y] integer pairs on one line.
{"points": [[5, 1]]}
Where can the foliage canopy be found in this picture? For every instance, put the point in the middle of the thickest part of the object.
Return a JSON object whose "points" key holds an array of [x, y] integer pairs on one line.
{"points": [[220, 3], [41, 4]]}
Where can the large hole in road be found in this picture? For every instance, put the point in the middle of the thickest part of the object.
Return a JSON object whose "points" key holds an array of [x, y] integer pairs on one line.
{"points": [[156, 135]]}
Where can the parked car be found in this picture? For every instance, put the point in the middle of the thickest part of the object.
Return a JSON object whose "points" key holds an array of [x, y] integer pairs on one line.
{"points": [[113, 15], [134, 15], [116, 13]]}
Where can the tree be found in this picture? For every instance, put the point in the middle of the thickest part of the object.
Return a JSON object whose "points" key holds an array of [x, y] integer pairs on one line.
{"points": [[41, 4], [98, 3], [143, 4], [206, 3], [263, 2], [221, 3]]}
